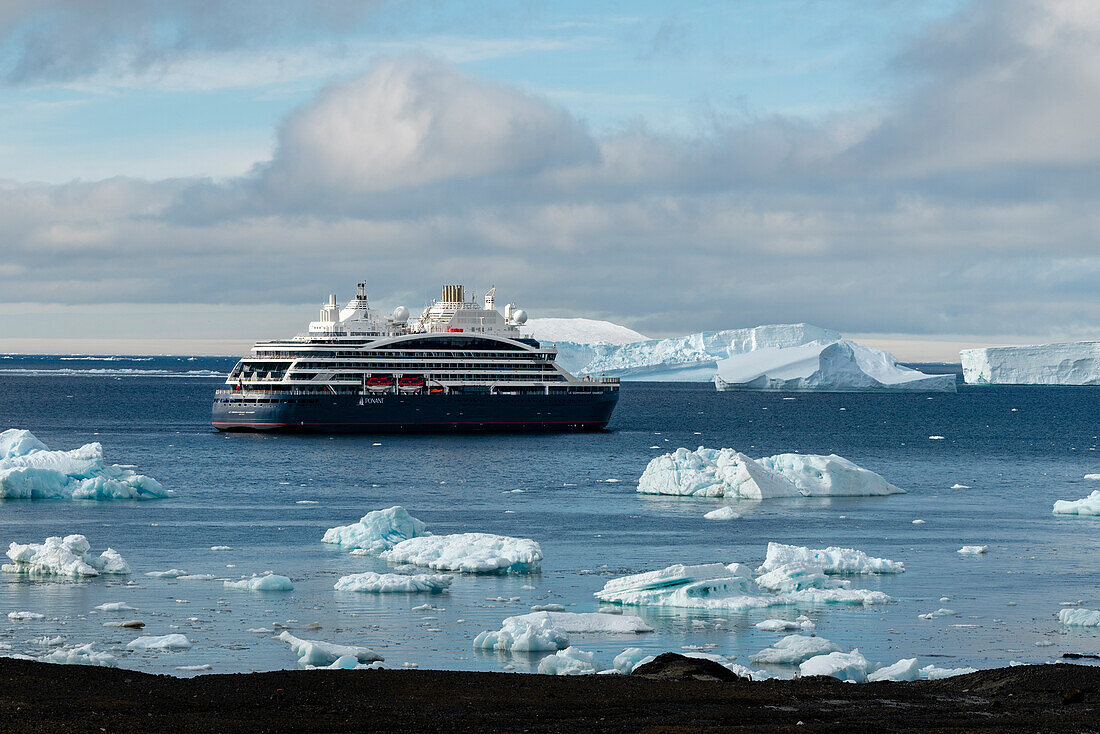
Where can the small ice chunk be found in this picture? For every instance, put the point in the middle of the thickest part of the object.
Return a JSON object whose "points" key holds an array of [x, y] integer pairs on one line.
{"points": [[569, 661], [1093, 477], [115, 606], [314, 652], [850, 666], [941, 612], [469, 553], [902, 670], [523, 635], [722, 513], [25, 616], [394, 583], [172, 573], [586, 622], [960, 486], [793, 650], [831, 560], [918, 521], [220, 548], [931, 672], [377, 531], [193, 668], [1075, 617], [66, 556], [1088, 506], [267, 581], [82, 655], [936, 438], [628, 659], [785, 625], [972, 550], [163, 642]]}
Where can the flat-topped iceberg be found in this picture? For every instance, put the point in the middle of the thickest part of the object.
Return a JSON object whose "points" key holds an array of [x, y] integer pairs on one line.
{"points": [[66, 557], [731, 474], [30, 470], [581, 331], [586, 622], [394, 583], [832, 365], [1067, 363], [377, 531], [313, 653], [469, 553], [1087, 506], [569, 661], [1079, 617]]}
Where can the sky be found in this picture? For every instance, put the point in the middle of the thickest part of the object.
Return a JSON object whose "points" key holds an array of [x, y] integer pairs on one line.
{"points": [[189, 177]]}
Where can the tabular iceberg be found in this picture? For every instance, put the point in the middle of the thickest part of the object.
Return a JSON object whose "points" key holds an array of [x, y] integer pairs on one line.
{"points": [[469, 553], [377, 531], [581, 331], [824, 366], [30, 470], [1069, 363], [66, 556], [729, 473], [394, 583]]}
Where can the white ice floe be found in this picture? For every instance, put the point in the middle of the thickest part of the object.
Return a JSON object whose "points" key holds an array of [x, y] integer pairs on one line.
{"points": [[82, 655], [267, 581], [1067, 363], [931, 672], [850, 666], [115, 606], [317, 653], [1088, 506], [523, 635], [903, 670], [377, 531], [722, 513], [194, 668], [1092, 477], [30, 470], [730, 473], [803, 623], [586, 622], [831, 560], [630, 658], [66, 556], [394, 583], [1079, 617], [972, 550], [469, 553], [162, 642], [569, 661], [793, 650], [941, 612], [172, 573], [25, 616]]}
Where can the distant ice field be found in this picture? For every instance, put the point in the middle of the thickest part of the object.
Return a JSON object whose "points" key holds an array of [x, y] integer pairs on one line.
{"points": [[1013, 451]]}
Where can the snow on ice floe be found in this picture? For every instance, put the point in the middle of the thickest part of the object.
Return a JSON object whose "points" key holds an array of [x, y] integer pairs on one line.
{"points": [[831, 364], [267, 581], [790, 576], [316, 653], [530, 634], [722, 513], [1087, 506], [803, 623], [849, 666], [66, 557], [586, 622], [1068, 363], [25, 616], [469, 553], [30, 470], [793, 650], [730, 473], [941, 612], [81, 655], [1079, 617], [972, 550], [394, 583], [569, 661], [162, 642], [377, 531]]}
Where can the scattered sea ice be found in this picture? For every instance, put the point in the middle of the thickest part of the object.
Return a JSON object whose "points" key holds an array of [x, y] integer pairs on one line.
{"points": [[941, 612], [115, 606]]}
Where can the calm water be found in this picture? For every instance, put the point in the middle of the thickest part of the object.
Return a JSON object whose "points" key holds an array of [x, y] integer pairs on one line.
{"points": [[1019, 449]]}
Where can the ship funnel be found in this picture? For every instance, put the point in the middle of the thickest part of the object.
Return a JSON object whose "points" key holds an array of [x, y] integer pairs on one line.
{"points": [[454, 294]]}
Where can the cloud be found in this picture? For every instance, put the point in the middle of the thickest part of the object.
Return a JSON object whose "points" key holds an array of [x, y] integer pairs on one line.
{"points": [[966, 206]]}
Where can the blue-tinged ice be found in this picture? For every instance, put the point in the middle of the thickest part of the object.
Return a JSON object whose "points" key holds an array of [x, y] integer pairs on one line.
{"points": [[30, 470], [394, 583], [1079, 617], [377, 531]]}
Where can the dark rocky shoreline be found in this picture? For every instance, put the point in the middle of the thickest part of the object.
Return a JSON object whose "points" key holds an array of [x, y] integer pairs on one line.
{"points": [[671, 694]]}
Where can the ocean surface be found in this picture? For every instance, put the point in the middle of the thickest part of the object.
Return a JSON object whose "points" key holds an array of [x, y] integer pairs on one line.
{"points": [[1016, 449]]}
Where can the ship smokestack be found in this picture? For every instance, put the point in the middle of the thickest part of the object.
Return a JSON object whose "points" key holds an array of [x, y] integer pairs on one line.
{"points": [[454, 294]]}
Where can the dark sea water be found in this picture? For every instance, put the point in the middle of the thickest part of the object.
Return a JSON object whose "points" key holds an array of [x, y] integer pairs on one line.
{"points": [[1018, 449]]}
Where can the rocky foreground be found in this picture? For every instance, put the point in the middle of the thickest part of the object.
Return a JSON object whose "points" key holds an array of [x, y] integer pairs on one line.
{"points": [[672, 693]]}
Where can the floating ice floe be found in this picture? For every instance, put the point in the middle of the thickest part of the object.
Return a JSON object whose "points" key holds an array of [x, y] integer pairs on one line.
{"points": [[547, 608], [66, 556], [25, 616], [469, 553], [30, 470], [262, 582], [790, 576], [82, 655], [162, 642], [941, 612], [803, 623], [793, 650], [586, 622], [115, 606], [722, 513], [523, 635], [569, 661], [730, 473], [1092, 477], [628, 659], [377, 531], [1088, 506], [172, 573], [849, 666], [394, 583], [194, 668], [1079, 617], [315, 653], [972, 550]]}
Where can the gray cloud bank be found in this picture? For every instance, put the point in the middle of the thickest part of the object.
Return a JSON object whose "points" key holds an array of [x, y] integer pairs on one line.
{"points": [[968, 206]]}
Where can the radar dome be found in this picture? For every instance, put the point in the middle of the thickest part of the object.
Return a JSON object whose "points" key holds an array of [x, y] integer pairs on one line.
{"points": [[400, 314], [519, 316]]}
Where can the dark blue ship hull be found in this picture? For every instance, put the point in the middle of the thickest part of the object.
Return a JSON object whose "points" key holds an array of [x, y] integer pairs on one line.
{"points": [[438, 413]]}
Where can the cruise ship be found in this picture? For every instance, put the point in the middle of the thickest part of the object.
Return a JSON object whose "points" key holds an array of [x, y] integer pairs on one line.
{"points": [[458, 367]]}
